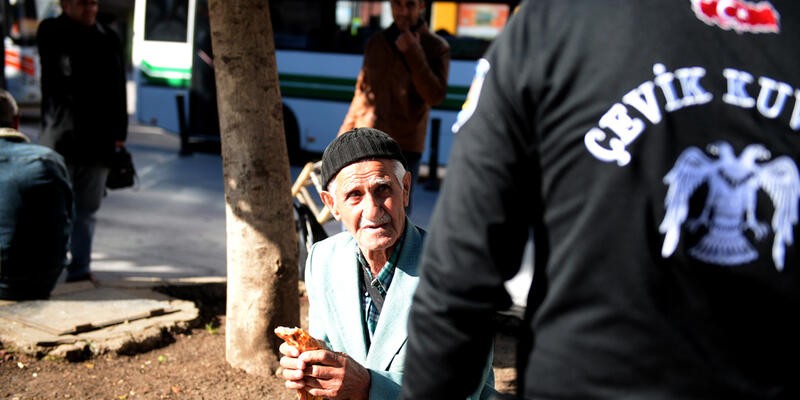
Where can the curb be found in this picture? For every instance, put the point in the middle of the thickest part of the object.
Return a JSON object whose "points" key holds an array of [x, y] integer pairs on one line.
{"points": [[36, 327]]}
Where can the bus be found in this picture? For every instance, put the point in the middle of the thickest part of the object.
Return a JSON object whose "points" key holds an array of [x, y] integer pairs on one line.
{"points": [[319, 47]]}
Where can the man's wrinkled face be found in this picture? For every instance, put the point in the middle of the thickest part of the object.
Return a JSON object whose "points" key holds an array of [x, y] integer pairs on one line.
{"points": [[82, 11], [370, 201], [406, 13]]}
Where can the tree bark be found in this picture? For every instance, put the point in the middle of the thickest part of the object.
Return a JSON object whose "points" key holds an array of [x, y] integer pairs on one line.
{"points": [[261, 241]]}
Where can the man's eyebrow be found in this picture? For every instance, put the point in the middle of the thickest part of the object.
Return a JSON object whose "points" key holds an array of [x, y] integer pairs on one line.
{"points": [[380, 181], [347, 187]]}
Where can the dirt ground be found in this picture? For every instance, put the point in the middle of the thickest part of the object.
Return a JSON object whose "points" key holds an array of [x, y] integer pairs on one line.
{"points": [[190, 366]]}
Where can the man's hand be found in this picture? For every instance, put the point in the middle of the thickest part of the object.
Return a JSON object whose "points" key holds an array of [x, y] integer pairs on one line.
{"points": [[324, 373], [407, 40]]}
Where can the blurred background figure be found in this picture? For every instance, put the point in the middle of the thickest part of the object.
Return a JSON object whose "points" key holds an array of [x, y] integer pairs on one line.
{"points": [[404, 74], [84, 112], [36, 211]]}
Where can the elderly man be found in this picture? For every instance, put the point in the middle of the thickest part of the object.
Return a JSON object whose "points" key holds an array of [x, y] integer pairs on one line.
{"points": [[360, 282], [35, 211]]}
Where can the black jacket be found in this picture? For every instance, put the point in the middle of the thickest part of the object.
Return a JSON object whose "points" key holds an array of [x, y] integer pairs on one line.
{"points": [[652, 147], [83, 90]]}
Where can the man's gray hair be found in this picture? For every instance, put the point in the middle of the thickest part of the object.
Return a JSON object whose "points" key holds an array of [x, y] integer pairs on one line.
{"points": [[397, 168]]}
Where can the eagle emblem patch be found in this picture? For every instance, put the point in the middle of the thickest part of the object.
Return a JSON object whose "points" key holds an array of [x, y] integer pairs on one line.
{"points": [[730, 206]]}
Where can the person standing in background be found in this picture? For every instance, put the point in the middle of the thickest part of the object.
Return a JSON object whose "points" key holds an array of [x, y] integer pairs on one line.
{"points": [[404, 74], [84, 111], [36, 211]]}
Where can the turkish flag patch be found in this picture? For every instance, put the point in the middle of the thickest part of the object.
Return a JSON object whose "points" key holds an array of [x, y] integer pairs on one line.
{"points": [[738, 15]]}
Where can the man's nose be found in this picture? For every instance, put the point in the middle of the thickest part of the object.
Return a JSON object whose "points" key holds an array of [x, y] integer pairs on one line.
{"points": [[373, 207]]}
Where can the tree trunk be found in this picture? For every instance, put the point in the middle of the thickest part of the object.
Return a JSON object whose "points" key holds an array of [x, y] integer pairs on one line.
{"points": [[262, 245]]}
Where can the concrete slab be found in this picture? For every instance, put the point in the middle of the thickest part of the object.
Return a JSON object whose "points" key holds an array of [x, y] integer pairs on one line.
{"points": [[82, 320]]}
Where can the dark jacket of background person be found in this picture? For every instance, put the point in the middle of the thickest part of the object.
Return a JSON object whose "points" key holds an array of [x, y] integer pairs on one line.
{"points": [[394, 93], [652, 148], [36, 213], [84, 108]]}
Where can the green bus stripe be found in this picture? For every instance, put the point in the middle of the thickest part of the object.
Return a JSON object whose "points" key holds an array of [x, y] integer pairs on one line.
{"points": [[341, 89], [165, 70], [165, 76], [295, 85]]}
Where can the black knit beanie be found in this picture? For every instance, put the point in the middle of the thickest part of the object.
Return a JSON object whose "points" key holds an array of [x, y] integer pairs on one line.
{"points": [[356, 145]]}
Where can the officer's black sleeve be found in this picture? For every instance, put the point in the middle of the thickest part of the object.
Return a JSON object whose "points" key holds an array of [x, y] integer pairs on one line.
{"points": [[479, 227]]}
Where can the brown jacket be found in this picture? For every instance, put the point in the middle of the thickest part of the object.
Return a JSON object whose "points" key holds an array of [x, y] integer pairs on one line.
{"points": [[395, 91]]}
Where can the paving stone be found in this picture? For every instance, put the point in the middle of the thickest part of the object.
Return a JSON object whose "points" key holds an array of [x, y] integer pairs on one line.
{"points": [[82, 320]]}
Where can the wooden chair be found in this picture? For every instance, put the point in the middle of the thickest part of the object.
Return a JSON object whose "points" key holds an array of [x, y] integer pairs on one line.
{"points": [[309, 176]]}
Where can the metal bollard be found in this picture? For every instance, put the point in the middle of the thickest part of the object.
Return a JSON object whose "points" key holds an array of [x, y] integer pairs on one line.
{"points": [[432, 183], [183, 129]]}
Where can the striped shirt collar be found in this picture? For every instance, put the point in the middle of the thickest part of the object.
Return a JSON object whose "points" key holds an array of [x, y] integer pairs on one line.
{"points": [[381, 282]]}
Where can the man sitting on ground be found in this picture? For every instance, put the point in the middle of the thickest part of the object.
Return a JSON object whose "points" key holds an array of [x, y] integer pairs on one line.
{"points": [[360, 282], [36, 211]]}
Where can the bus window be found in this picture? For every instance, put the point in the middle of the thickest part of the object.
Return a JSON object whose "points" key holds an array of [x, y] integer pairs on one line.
{"points": [[327, 26], [298, 24], [166, 20], [356, 21], [345, 26]]}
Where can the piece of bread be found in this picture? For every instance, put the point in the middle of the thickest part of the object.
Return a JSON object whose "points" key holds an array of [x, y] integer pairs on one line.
{"points": [[300, 339]]}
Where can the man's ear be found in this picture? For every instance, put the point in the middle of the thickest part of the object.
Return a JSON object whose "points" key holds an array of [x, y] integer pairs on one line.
{"points": [[328, 200], [406, 189]]}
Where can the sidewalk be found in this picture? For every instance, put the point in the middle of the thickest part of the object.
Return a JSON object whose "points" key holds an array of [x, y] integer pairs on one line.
{"points": [[168, 231], [140, 249], [173, 224], [81, 319]]}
